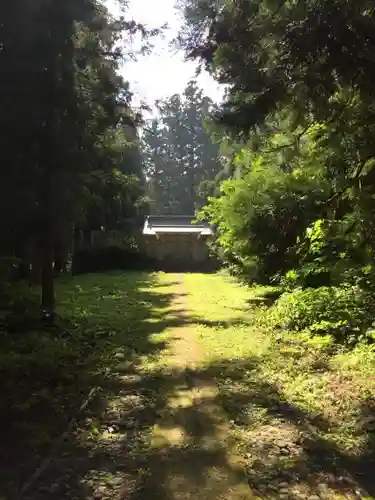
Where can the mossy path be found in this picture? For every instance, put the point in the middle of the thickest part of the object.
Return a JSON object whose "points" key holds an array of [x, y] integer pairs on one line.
{"points": [[193, 454], [196, 399]]}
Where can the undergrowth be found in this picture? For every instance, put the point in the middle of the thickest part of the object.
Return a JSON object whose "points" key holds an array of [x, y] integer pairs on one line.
{"points": [[346, 312], [47, 373], [328, 382]]}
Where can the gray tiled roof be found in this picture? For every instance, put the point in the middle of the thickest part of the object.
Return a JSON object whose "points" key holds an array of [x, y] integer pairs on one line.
{"points": [[175, 224]]}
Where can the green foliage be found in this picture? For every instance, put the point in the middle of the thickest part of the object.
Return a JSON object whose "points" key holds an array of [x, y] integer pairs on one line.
{"points": [[62, 97], [19, 308], [302, 210], [343, 312], [334, 252], [260, 215], [274, 54], [111, 258], [181, 160]]}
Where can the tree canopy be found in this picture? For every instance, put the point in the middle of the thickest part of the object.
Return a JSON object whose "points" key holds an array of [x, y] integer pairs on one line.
{"points": [[181, 159], [69, 136], [275, 53], [300, 208]]}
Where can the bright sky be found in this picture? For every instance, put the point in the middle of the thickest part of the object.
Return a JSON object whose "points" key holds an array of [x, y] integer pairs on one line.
{"points": [[164, 72]]}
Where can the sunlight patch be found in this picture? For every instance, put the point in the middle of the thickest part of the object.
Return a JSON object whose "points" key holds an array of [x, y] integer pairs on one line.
{"points": [[168, 436]]}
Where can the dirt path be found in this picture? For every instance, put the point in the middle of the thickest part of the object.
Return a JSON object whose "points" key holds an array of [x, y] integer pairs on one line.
{"points": [[195, 457], [156, 431], [201, 403]]}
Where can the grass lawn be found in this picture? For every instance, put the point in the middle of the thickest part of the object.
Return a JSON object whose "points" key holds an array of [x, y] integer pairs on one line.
{"points": [[300, 411], [294, 401], [105, 321]]}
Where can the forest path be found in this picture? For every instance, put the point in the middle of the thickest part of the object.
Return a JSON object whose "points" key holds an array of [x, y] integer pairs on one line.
{"points": [[199, 399], [194, 456]]}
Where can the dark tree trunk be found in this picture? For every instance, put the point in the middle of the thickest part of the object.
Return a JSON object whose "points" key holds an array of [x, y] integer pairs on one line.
{"points": [[48, 232], [47, 197], [58, 89], [59, 266]]}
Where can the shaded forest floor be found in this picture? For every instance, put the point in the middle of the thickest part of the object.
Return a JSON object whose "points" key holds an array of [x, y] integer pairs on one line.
{"points": [[169, 386]]}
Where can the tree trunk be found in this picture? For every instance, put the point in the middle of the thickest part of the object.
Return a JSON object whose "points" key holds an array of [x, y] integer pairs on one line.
{"points": [[36, 263], [48, 173], [48, 232]]}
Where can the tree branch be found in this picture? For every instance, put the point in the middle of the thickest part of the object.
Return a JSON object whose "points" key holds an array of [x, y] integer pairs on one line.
{"points": [[291, 144], [358, 172]]}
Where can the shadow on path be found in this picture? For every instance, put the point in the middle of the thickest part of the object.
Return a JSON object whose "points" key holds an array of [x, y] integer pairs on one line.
{"points": [[47, 375], [163, 431]]}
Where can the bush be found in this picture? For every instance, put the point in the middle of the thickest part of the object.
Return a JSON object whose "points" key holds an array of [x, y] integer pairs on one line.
{"points": [[260, 217], [307, 276], [111, 258], [346, 313], [19, 302]]}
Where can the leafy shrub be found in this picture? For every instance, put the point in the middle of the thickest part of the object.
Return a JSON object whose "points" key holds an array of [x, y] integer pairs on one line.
{"points": [[260, 216], [290, 280], [311, 275], [333, 252], [19, 306], [346, 313], [111, 258]]}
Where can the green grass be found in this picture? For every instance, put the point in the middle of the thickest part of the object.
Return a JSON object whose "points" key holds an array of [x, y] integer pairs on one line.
{"points": [[330, 388], [224, 313], [114, 333], [106, 323]]}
